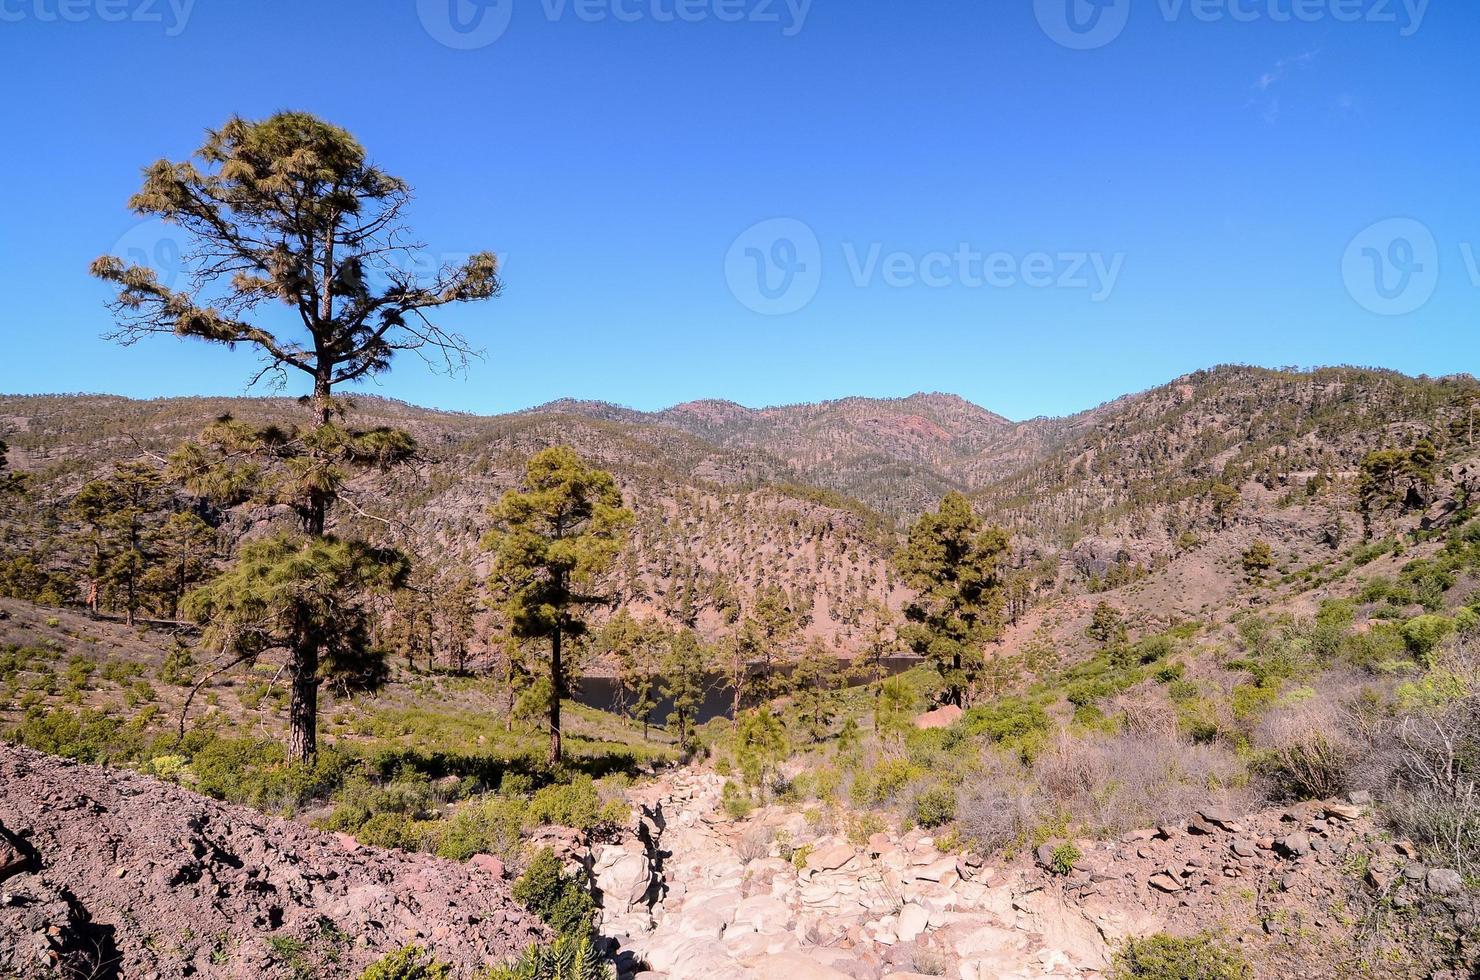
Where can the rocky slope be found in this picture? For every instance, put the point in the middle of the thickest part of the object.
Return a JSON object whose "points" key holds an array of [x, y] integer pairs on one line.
{"points": [[812, 498], [697, 896], [106, 873]]}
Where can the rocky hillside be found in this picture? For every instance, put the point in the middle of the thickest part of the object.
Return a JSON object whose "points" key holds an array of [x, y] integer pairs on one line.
{"points": [[106, 873], [812, 498]]}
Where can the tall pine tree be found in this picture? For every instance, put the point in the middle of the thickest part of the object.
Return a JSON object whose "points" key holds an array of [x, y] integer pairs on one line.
{"points": [[553, 542], [287, 215], [956, 566]]}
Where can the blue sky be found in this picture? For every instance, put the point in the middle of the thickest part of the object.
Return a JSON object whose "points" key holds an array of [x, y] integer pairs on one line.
{"points": [[974, 206]]}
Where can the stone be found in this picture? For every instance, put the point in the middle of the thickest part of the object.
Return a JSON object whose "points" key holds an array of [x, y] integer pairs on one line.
{"points": [[1164, 882], [942, 871], [624, 882], [1345, 812], [488, 863], [1293, 845], [1444, 881], [913, 920], [830, 857], [1244, 847], [1219, 816]]}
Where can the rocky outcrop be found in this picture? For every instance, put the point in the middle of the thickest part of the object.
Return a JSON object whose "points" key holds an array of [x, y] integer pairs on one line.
{"points": [[108, 873], [779, 895]]}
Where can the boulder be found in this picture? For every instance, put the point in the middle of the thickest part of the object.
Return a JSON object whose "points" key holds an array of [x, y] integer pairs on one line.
{"points": [[624, 882], [1444, 881], [1293, 845], [830, 857], [913, 920]]}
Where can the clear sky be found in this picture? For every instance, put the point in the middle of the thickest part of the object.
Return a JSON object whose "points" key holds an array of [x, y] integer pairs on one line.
{"points": [[775, 202]]}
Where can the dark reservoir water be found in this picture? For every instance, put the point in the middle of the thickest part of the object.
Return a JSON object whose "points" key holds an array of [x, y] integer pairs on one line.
{"points": [[602, 692]]}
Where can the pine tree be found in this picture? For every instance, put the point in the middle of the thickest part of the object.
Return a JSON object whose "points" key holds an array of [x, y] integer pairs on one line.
{"points": [[553, 541], [956, 567], [304, 598], [118, 513], [683, 684], [763, 648], [812, 683], [287, 211], [183, 548]]}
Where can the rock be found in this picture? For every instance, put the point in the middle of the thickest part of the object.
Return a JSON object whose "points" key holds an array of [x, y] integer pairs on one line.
{"points": [[1444, 881], [1359, 797], [1345, 812], [625, 882], [942, 871], [1219, 816], [1293, 845], [939, 718], [488, 863], [12, 860], [1244, 847], [830, 857], [762, 913], [913, 920], [1164, 882]]}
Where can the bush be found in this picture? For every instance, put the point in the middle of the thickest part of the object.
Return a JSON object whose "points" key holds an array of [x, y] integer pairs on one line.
{"points": [[1164, 957], [407, 963], [576, 805], [567, 958], [1062, 861], [491, 825], [1308, 751], [935, 807], [557, 898]]}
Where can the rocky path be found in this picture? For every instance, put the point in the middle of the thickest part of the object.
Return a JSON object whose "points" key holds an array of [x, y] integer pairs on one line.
{"points": [[696, 896], [733, 901]]}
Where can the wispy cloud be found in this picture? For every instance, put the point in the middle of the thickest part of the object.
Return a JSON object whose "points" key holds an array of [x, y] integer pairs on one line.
{"points": [[1264, 99]]}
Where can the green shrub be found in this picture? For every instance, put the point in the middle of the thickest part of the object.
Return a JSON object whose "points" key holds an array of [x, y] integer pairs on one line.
{"points": [[567, 958], [491, 825], [1164, 957], [407, 963], [737, 802], [1064, 857], [557, 898], [576, 805], [935, 807]]}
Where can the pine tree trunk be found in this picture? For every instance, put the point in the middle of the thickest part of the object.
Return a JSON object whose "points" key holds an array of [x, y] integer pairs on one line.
{"points": [[557, 677], [303, 705]]}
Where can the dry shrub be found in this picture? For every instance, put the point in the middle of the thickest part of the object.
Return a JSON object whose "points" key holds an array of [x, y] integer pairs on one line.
{"points": [[1310, 750], [754, 845], [1147, 713], [1117, 783], [1435, 757], [1001, 806]]}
